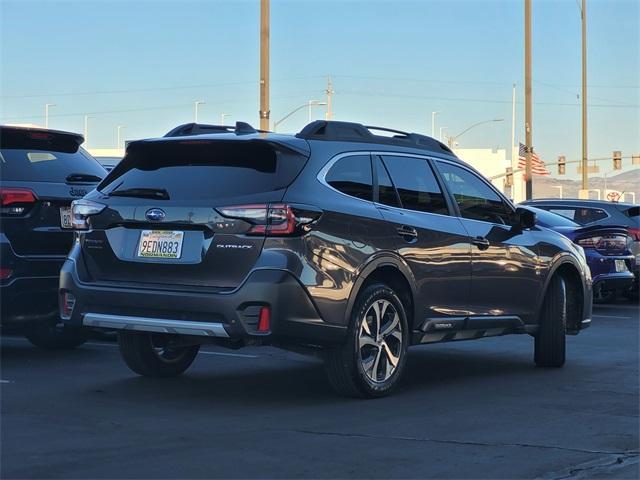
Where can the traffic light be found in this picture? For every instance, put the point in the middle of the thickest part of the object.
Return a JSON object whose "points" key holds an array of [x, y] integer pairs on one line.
{"points": [[562, 165], [617, 160], [508, 178]]}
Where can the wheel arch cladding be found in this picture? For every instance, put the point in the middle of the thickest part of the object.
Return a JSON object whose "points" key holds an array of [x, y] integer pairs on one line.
{"points": [[575, 293], [390, 275]]}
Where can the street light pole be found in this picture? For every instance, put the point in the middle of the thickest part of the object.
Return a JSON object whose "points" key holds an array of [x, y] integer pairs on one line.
{"points": [[195, 104], [585, 176], [309, 104], [442, 129], [433, 124], [527, 94], [46, 113], [86, 131], [222, 117], [264, 65], [120, 127]]}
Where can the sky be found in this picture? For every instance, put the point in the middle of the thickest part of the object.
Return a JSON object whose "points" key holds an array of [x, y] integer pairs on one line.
{"points": [[143, 64]]}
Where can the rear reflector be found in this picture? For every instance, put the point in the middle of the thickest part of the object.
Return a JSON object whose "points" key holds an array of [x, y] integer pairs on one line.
{"points": [[5, 273], [67, 302], [9, 196], [264, 320]]}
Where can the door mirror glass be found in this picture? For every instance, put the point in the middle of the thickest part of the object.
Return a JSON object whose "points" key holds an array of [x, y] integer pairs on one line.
{"points": [[526, 218]]}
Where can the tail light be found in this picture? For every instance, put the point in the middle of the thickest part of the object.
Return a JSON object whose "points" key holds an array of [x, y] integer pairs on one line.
{"points": [[16, 201], [81, 210], [634, 233], [274, 220], [604, 242]]}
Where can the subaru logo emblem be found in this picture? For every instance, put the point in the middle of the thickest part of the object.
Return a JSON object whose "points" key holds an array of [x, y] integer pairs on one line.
{"points": [[155, 215]]}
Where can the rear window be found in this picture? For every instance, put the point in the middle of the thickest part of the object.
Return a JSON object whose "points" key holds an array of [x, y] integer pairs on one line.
{"points": [[201, 169], [33, 165], [549, 219]]}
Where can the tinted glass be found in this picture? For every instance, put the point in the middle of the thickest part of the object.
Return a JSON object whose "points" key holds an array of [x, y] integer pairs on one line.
{"points": [[582, 216], [549, 219], [416, 184], [190, 170], [34, 165], [475, 198], [352, 176], [386, 191]]}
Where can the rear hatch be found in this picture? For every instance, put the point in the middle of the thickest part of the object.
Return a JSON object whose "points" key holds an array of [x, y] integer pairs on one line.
{"points": [[41, 172], [180, 212]]}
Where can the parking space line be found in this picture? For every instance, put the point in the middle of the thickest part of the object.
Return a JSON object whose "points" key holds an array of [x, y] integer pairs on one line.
{"points": [[5, 381], [611, 316]]}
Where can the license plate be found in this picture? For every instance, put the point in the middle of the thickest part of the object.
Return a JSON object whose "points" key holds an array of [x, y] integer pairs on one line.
{"points": [[621, 266], [65, 217], [160, 244]]}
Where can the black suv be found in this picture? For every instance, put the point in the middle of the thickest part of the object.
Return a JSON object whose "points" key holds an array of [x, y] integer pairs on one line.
{"points": [[41, 172], [338, 239]]}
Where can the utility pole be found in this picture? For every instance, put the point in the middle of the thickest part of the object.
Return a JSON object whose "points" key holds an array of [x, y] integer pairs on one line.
{"points": [[46, 113], [329, 114], [585, 173], [527, 95], [264, 65], [433, 124]]}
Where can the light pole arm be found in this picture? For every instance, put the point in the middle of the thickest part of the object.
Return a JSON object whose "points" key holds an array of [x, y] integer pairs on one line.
{"points": [[454, 137], [305, 105]]}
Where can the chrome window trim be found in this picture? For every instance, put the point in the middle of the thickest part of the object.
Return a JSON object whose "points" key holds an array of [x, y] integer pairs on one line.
{"points": [[321, 177]]}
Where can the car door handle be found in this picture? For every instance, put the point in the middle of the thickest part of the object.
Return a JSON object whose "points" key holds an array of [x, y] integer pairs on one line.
{"points": [[481, 242], [410, 234]]}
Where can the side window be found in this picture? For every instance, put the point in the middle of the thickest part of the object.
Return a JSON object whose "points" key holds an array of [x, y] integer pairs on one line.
{"points": [[570, 213], [589, 215], [476, 200], [386, 191], [352, 176], [416, 184]]}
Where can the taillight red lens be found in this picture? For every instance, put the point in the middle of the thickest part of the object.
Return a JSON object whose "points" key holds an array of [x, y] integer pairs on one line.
{"points": [[10, 196], [277, 219], [634, 233], [264, 320]]}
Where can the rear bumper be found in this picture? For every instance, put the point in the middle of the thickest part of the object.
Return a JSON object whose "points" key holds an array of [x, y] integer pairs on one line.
{"points": [[613, 281], [229, 315], [30, 292]]}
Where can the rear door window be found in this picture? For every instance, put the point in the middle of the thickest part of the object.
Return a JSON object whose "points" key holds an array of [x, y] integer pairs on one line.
{"points": [[202, 169], [352, 176], [580, 215], [387, 194], [416, 184]]}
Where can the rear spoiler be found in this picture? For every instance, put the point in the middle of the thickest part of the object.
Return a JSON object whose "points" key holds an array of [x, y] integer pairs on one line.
{"points": [[603, 228], [40, 139]]}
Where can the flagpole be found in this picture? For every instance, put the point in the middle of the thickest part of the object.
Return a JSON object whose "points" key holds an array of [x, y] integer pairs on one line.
{"points": [[513, 124]]}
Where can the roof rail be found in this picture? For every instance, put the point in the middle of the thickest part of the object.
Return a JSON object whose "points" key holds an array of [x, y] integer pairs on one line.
{"points": [[356, 132], [240, 128]]}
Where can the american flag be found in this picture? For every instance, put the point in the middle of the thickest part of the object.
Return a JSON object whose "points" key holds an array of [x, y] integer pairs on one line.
{"points": [[537, 166]]}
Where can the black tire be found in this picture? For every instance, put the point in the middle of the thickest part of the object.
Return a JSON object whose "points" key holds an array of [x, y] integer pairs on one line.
{"points": [[151, 355], [345, 364], [50, 336], [551, 337]]}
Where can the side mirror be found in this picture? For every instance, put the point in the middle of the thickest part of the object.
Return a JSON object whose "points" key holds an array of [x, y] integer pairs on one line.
{"points": [[525, 218]]}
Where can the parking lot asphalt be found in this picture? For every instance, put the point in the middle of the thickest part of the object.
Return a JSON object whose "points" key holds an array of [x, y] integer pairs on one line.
{"points": [[477, 409]]}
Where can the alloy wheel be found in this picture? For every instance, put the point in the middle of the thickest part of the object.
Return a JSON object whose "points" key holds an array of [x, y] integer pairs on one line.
{"points": [[380, 341]]}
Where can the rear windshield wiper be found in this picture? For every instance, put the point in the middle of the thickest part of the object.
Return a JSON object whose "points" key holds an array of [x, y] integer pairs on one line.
{"points": [[154, 193], [82, 178]]}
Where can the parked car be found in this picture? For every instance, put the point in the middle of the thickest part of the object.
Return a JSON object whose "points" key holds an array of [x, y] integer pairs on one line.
{"points": [[607, 249], [336, 239], [599, 212], [41, 172]]}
